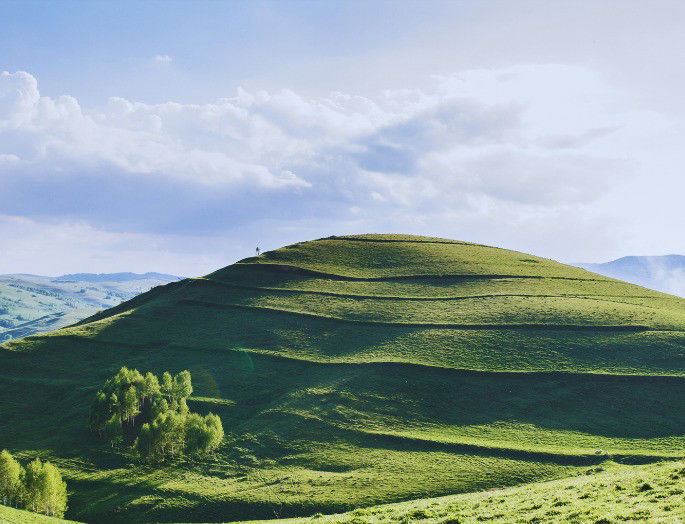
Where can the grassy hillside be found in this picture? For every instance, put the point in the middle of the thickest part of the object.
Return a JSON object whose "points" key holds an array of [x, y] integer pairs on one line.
{"points": [[609, 493], [32, 304], [621, 493], [362, 370]]}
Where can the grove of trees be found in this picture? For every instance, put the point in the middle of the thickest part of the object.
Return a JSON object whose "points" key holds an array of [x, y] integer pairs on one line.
{"points": [[38, 487], [152, 415]]}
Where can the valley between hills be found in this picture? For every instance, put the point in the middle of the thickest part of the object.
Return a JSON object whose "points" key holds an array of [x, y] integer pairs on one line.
{"points": [[353, 372]]}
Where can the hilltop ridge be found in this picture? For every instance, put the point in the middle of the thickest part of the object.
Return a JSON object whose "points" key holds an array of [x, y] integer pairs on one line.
{"points": [[420, 300]]}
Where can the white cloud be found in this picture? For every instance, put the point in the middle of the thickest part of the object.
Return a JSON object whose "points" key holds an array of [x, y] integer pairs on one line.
{"points": [[529, 145], [8, 159], [163, 59], [55, 248], [281, 140]]}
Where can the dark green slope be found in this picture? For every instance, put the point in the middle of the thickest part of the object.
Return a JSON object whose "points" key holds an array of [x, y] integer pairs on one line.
{"points": [[359, 370]]}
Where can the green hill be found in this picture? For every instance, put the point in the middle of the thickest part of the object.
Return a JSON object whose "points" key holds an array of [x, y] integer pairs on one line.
{"points": [[354, 371]]}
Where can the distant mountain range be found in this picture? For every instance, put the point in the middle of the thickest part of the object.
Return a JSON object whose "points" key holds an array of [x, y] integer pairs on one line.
{"points": [[32, 304], [663, 273], [115, 277]]}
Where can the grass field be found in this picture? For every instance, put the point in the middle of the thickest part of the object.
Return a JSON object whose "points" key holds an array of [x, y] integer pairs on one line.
{"points": [[610, 493], [351, 372], [617, 494]]}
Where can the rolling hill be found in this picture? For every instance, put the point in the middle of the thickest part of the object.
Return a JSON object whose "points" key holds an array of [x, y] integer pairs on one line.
{"points": [[664, 273], [356, 371], [32, 304]]}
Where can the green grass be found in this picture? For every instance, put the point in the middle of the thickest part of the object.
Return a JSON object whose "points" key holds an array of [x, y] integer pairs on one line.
{"points": [[618, 494], [652, 312], [366, 256], [355, 372], [16, 516]]}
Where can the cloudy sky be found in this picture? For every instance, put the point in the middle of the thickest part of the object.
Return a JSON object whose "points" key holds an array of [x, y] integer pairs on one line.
{"points": [[177, 136]]}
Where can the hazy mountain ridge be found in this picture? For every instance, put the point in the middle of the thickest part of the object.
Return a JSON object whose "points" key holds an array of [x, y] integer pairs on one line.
{"points": [[663, 273], [115, 277], [32, 304]]}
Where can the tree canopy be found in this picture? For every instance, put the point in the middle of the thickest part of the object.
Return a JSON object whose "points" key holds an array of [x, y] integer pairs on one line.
{"points": [[153, 415], [38, 487], [11, 479]]}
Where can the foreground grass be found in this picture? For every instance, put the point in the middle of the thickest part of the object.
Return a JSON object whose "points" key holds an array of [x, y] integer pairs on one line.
{"points": [[651, 493], [304, 437], [307, 438]]}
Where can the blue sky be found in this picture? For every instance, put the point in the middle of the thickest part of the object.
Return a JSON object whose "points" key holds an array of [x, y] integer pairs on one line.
{"points": [[93, 50], [176, 136]]}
